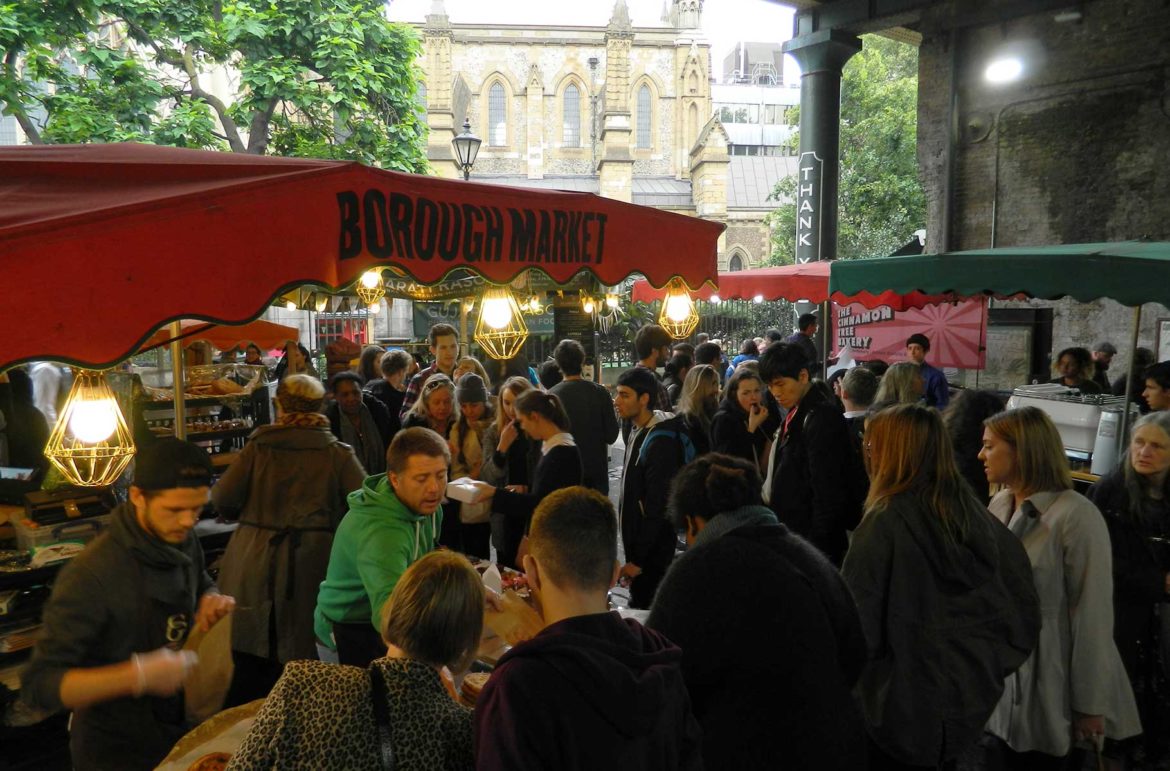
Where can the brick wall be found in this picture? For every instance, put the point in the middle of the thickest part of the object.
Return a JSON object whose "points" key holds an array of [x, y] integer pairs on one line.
{"points": [[1076, 151]]}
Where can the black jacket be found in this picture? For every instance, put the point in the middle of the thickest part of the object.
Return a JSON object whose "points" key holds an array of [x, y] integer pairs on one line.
{"points": [[1139, 567], [381, 415], [589, 692], [557, 468], [647, 534], [817, 488], [770, 657], [729, 434], [948, 615], [389, 396], [126, 593]]}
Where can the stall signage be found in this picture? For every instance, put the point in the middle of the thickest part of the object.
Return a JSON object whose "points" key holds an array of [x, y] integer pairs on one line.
{"points": [[393, 224], [810, 175], [957, 332], [451, 289]]}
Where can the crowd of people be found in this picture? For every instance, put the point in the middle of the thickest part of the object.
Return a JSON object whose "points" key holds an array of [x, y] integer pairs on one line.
{"points": [[864, 572]]}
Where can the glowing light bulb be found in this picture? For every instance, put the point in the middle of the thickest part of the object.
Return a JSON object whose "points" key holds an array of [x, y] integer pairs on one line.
{"points": [[589, 306], [290, 306], [496, 312], [371, 279], [758, 298], [611, 300], [678, 308], [95, 420], [715, 299], [1004, 70]]}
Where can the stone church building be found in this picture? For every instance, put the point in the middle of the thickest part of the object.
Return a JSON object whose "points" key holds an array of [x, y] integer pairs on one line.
{"points": [[623, 111]]}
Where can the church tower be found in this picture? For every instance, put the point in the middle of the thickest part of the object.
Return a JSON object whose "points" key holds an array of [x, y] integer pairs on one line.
{"points": [[437, 39], [692, 68], [616, 168]]}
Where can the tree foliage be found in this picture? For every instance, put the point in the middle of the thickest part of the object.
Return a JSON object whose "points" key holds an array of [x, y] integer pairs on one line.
{"points": [[881, 198], [316, 78]]}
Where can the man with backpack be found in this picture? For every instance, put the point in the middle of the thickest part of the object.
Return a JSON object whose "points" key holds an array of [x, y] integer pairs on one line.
{"points": [[657, 448], [816, 484]]}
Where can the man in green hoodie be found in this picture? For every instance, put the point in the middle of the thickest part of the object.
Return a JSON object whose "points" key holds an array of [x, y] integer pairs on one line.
{"points": [[120, 613], [393, 520]]}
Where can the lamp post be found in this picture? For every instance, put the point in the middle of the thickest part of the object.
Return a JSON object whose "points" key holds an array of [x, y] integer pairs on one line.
{"points": [[466, 148]]}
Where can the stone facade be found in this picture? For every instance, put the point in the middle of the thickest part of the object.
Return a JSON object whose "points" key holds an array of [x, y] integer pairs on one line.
{"points": [[612, 70], [1073, 152]]}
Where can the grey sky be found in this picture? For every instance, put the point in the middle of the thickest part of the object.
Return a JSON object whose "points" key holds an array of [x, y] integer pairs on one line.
{"points": [[725, 22]]}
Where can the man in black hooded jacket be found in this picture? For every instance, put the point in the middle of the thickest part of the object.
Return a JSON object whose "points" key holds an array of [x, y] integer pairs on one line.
{"points": [[120, 613], [591, 690]]}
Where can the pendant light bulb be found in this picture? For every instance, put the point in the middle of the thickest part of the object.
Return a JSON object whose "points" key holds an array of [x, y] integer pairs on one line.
{"points": [[496, 312], [94, 421]]}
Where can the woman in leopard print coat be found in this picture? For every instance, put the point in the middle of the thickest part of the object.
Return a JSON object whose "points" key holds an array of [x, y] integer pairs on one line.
{"points": [[321, 715]]}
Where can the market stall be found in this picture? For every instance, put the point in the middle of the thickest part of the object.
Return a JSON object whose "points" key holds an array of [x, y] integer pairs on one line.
{"points": [[1129, 272]]}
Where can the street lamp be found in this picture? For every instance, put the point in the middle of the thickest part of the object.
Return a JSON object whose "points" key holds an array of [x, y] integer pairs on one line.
{"points": [[466, 148]]}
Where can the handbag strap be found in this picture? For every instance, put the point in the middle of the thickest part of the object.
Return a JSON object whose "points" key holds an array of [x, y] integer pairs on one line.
{"points": [[380, 700]]}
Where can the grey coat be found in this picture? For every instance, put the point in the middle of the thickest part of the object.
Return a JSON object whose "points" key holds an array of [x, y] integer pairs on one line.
{"points": [[288, 489], [1076, 666]]}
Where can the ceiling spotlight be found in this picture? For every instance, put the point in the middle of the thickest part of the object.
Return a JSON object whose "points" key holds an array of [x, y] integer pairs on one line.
{"points": [[1004, 70]]}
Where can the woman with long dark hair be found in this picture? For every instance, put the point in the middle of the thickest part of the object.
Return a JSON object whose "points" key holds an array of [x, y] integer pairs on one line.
{"points": [[738, 426], [1073, 688], [544, 420], [944, 592], [1135, 500]]}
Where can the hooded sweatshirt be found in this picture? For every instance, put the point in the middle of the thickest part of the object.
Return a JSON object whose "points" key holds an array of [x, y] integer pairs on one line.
{"points": [[377, 540], [126, 593], [947, 616], [588, 692], [769, 659]]}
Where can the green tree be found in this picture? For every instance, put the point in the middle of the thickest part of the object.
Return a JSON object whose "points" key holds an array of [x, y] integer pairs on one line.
{"points": [[316, 78], [881, 198]]}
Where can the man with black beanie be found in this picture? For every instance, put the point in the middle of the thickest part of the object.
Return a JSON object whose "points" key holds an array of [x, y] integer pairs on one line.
{"points": [[120, 612]]}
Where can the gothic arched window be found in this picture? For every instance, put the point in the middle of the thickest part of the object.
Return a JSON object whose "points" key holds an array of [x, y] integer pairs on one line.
{"points": [[571, 133], [644, 117], [735, 263], [497, 116]]}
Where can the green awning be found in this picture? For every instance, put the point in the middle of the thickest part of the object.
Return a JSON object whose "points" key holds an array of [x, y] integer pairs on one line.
{"points": [[1130, 272]]}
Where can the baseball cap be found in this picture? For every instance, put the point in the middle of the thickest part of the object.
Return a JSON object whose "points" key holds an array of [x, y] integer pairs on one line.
{"points": [[169, 463]]}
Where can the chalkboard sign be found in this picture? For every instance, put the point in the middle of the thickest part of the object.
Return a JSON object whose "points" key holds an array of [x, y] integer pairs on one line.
{"points": [[571, 322]]}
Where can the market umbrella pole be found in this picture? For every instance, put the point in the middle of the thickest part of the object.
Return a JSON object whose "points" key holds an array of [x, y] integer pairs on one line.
{"points": [[1123, 432], [177, 397]]}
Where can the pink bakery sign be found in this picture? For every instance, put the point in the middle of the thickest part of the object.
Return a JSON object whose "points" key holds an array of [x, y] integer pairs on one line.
{"points": [[957, 332]]}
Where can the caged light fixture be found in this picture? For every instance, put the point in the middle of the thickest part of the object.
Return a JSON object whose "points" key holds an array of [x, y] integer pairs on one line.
{"points": [[678, 316], [370, 287], [90, 444], [500, 330]]}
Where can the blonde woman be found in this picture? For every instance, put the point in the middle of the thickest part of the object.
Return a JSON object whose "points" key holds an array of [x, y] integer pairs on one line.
{"points": [[945, 596], [435, 406], [470, 364], [902, 384], [510, 459], [698, 403], [333, 716], [1074, 687]]}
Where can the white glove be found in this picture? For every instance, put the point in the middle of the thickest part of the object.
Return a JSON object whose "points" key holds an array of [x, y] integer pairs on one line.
{"points": [[162, 672]]}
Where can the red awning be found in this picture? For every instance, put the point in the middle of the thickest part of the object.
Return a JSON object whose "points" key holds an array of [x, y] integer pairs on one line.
{"points": [[102, 244], [265, 334], [807, 281]]}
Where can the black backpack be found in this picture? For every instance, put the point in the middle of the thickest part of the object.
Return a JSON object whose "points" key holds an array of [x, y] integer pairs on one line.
{"points": [[674, 428]]}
